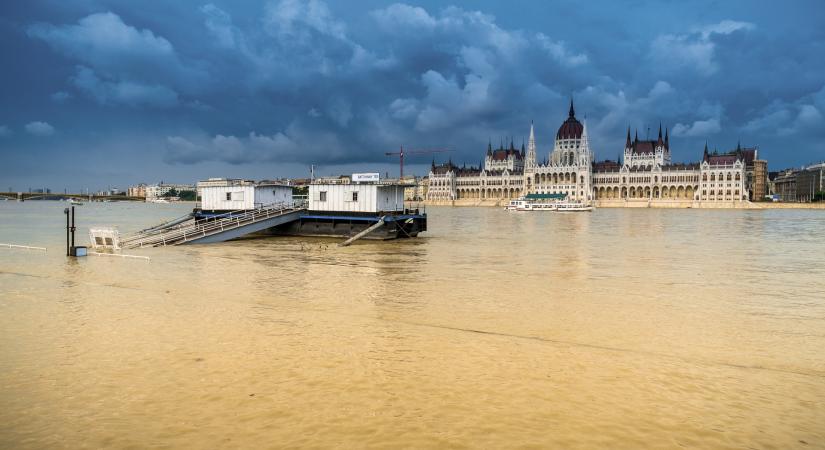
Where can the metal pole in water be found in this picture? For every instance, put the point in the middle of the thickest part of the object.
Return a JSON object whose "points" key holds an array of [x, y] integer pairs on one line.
{"points": [[66, 212], [73, 227]]}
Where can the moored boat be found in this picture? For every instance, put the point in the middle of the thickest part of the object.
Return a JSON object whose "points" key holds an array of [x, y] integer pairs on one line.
{"points": [[548, 202]]}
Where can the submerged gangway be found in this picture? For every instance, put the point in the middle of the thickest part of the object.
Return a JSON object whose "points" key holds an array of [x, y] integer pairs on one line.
{"points": [[215, 229]]}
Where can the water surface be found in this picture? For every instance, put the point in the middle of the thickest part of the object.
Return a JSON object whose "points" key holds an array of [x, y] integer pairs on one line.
{"points": [[619, 328]]}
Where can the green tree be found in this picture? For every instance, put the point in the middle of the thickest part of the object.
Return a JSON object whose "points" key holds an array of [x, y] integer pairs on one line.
{"points": [[172, 193], [188, 196]]}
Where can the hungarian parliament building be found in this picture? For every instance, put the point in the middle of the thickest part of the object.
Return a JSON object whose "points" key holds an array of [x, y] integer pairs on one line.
{"points": [[645, 171]]}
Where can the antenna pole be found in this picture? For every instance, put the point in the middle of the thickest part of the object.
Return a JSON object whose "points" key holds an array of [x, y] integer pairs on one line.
{"points": [[401, 170]]}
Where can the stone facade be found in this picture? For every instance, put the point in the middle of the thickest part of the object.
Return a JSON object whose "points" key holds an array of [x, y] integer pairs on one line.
{"points": [[759, 189], [646, 172], [810, 181], [784, 185]]}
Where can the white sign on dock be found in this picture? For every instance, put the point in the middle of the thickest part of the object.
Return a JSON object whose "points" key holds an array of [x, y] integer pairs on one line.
{"points": [[365, 177]]}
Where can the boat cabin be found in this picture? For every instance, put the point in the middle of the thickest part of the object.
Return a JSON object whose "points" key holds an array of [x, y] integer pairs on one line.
{"points": [[225, 194], [357, 198]]}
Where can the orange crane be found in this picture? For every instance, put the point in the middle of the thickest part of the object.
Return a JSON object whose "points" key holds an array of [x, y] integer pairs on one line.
{"points": [[403, 152]]}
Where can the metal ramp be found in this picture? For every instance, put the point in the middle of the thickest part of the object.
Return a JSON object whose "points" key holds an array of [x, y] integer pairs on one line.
{"points": [[228, 226]]}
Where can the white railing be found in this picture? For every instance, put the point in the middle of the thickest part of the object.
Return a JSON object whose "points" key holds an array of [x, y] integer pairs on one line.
{"points": [[206, 227]]}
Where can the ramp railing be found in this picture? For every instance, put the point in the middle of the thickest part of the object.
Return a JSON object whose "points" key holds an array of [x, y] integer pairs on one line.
{"points": [[206, 227]]}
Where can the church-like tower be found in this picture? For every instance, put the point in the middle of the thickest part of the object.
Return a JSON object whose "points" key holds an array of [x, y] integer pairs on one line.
{"points": [[530, 160], [647, 153], [569, 170]]}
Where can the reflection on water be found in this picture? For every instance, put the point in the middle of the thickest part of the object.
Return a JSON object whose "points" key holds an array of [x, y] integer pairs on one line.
{"points": [[619, 328]]}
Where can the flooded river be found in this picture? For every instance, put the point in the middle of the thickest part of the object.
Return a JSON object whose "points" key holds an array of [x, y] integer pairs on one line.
{"points": [[614, 329]]}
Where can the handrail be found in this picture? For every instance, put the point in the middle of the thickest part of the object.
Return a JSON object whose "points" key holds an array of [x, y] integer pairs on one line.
{"points": [[208, 227], [150, 232]]}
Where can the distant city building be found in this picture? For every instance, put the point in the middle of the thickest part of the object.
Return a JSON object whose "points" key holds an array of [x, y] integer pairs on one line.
{"points": [[415, 188], [156, 191], [341, 179], [785, 185], [645, 172], [138, 190], [110, 191], [759, 179], [809, 182]]}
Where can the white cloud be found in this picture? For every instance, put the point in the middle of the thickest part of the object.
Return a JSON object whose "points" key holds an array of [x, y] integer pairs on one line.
{"points": [[340, 111], [289, 16], [219, 23], [253, 148], [679, 51], [102, 36], [699, 128], [38, 128], [404, 108], [725, 27], [447, 104], [661, 88], [786, 119], [123, 92], [5, 131], [403, 15], [558, 50], [809, 115], [694, 51], [136, 59], [61, 96]]}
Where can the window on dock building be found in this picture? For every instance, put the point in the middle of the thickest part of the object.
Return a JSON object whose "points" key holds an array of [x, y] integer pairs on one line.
{"points": [[322, 196]]}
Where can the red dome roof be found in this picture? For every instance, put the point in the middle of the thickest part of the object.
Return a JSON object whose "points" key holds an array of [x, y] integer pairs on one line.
{"points": [[571, 128]]}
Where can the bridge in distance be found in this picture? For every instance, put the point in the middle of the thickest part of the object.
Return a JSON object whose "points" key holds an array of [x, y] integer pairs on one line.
{"points": [[24, 196]]}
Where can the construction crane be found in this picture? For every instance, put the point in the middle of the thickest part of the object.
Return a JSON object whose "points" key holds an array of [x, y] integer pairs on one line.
{"points": [[403, 152]]}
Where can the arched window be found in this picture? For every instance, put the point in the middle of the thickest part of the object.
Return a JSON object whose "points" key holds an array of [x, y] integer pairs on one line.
{"points": [[738, 177], [713, 177], [729, 177], [704, 177]]}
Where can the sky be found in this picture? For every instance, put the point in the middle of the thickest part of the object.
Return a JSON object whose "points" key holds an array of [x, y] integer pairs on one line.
{"points": [[97, 93]]}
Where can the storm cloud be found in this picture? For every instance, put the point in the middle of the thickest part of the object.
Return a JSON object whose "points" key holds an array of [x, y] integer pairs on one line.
{"points": [[198, 89]]}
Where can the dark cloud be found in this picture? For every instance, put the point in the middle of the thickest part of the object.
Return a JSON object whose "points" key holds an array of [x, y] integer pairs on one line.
{"points": [[271, 86]]}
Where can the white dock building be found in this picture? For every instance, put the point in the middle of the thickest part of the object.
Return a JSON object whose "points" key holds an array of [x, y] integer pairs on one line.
{"points": [[223, 194]]}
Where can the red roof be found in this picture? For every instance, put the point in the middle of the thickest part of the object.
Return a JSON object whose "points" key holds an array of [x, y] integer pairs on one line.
{"points": [[606, 166], [643, 147], [571, 128], [501, 155]]}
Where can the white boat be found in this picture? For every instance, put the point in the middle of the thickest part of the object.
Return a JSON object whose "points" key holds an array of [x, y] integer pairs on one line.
{"points": [[514, 205], [547, 202]]}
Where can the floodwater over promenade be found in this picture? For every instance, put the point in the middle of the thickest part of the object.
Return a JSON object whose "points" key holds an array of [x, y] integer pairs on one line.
{"points": [[619, 328]]}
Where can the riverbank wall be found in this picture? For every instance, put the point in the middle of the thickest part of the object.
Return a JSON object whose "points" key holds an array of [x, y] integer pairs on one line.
{"points": [[644, 203]]}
